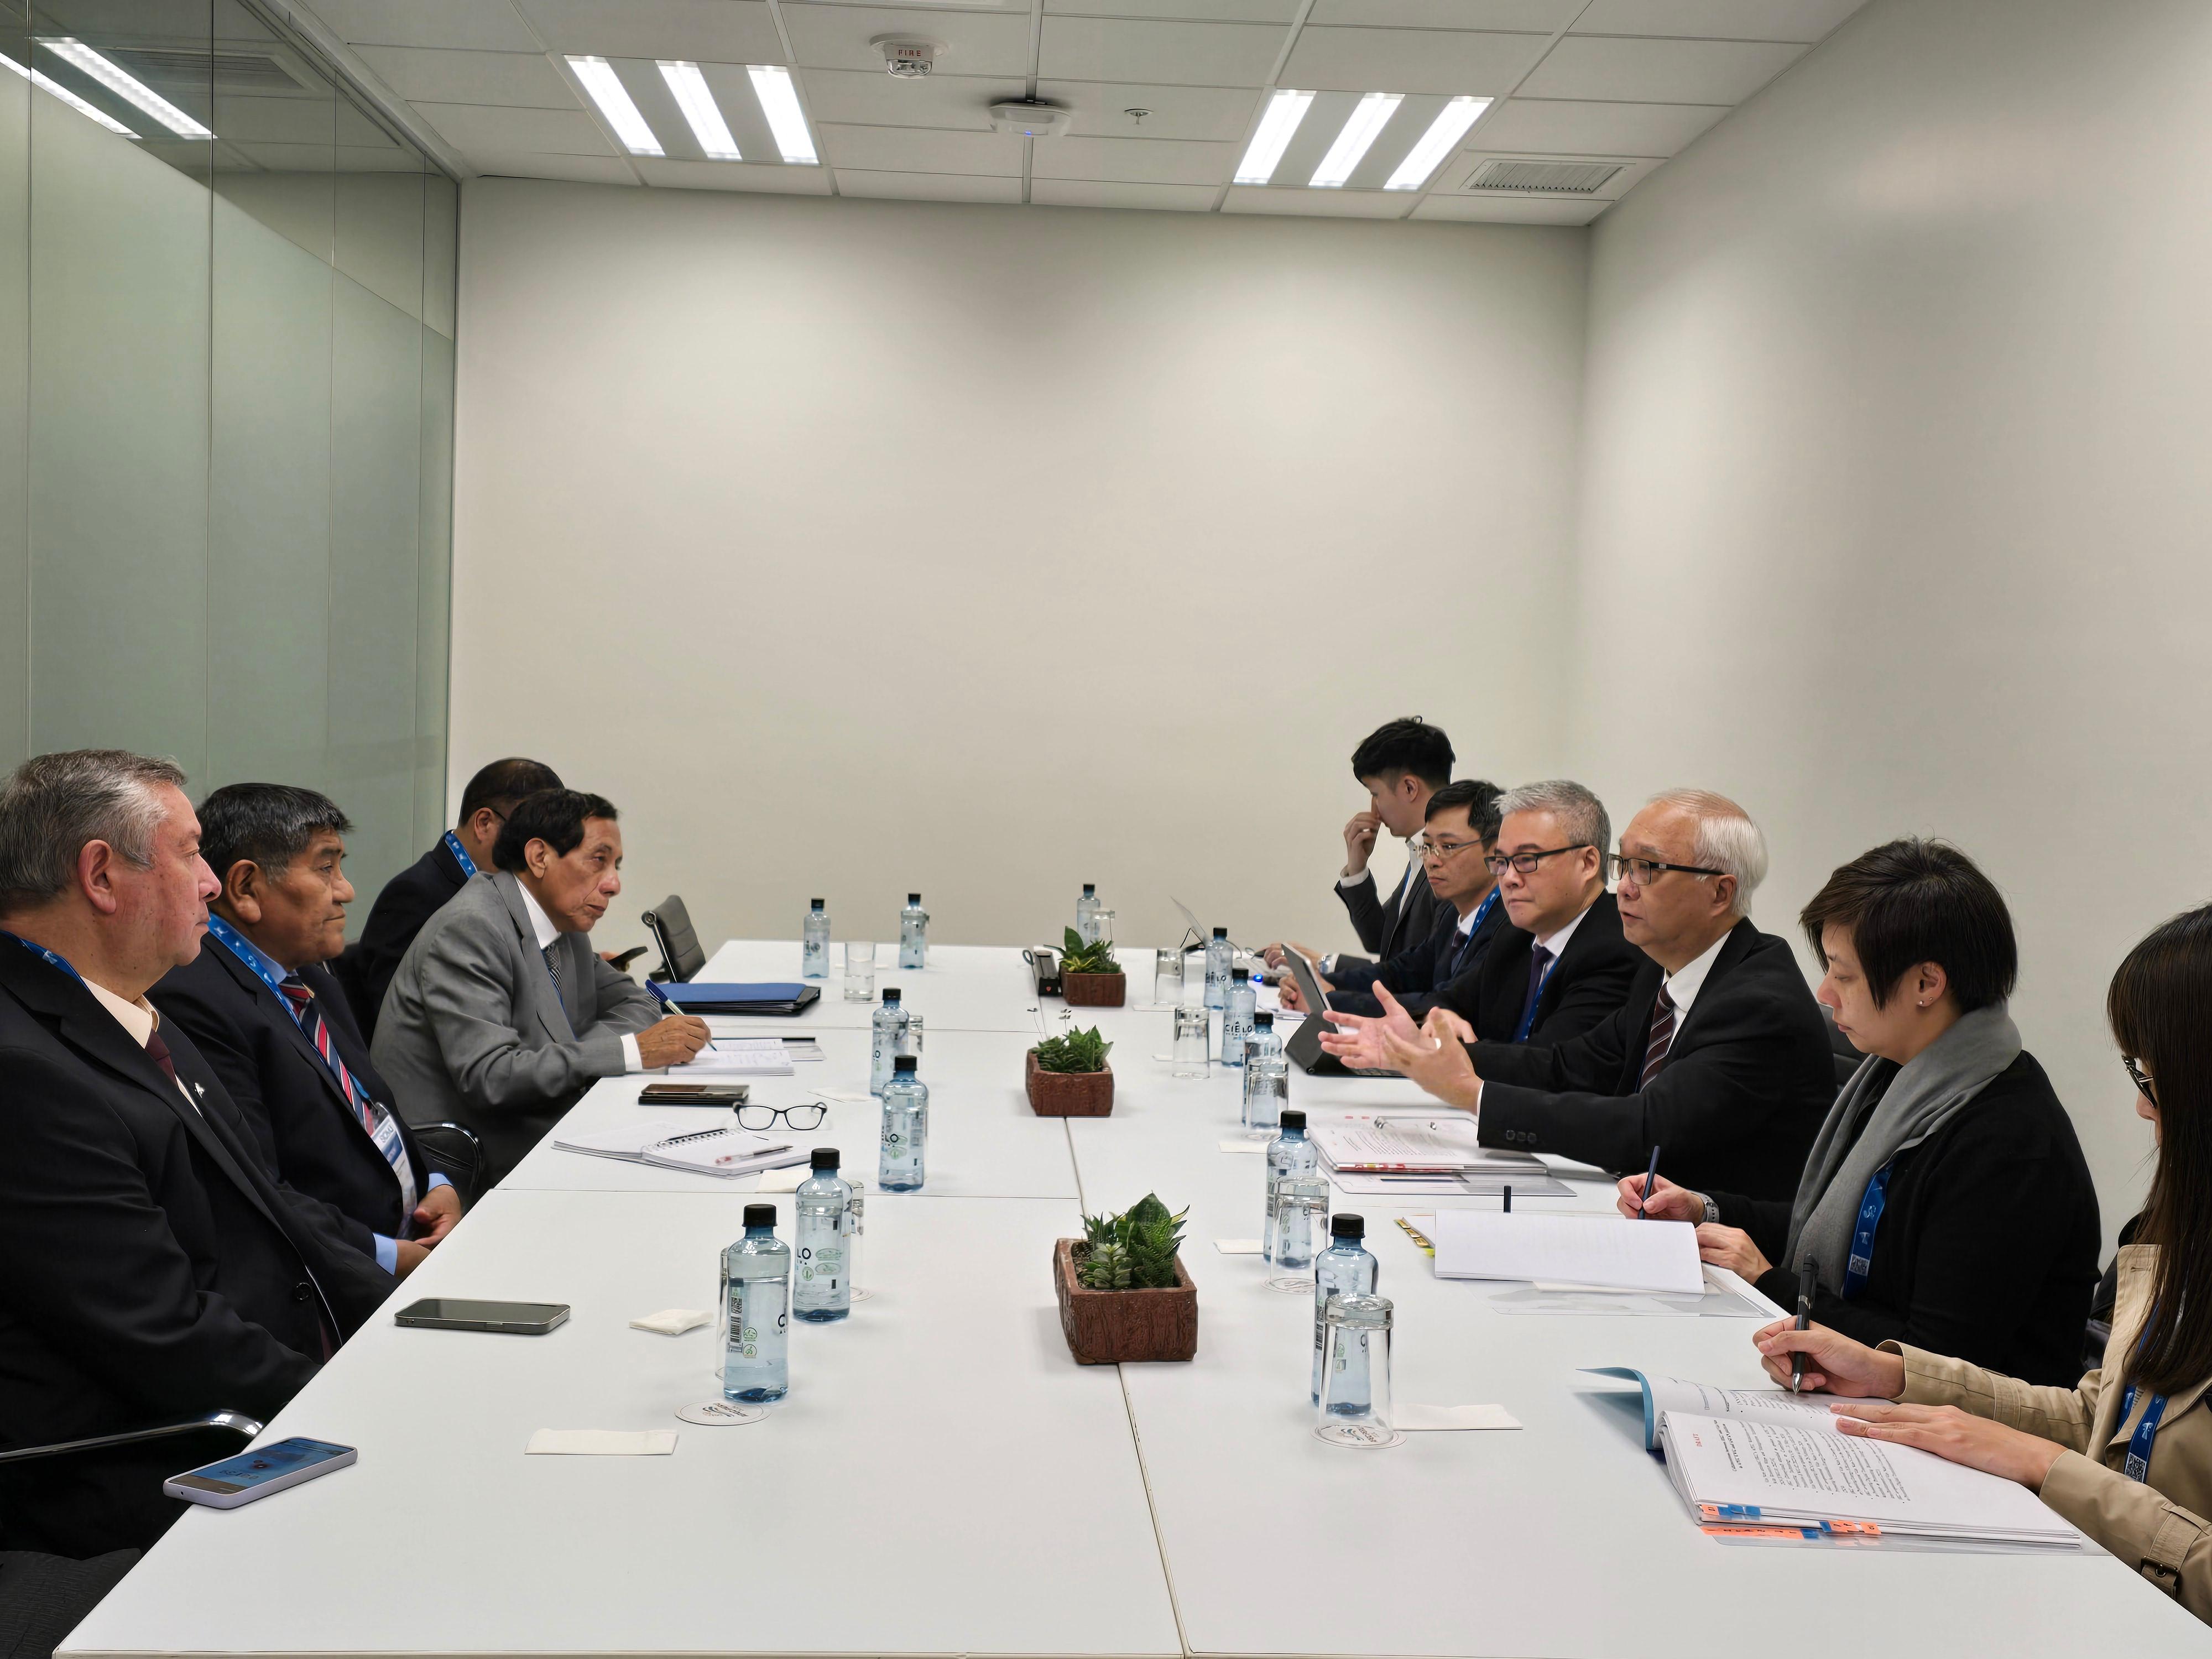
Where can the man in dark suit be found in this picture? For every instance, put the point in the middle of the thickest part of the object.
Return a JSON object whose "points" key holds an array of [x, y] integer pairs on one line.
{"points": [[153, 1269], [420, 891], [1399, 765], [1563, 967], [1719, 1056], [1458, 835], [260, 1006]]}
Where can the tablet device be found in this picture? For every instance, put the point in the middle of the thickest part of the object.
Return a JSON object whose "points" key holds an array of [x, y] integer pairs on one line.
{"points": [[1304, 1045]]}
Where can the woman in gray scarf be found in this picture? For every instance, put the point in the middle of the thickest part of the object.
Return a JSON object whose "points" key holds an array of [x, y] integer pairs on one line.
{"points": [[1945, 1203]]}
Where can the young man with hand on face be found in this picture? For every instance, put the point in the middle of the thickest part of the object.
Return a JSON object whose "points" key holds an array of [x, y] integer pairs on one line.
{"points": [[270, 1018]]}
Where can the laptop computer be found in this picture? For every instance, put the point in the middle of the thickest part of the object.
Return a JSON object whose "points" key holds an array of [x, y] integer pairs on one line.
{"points": [[1304, 1045]]}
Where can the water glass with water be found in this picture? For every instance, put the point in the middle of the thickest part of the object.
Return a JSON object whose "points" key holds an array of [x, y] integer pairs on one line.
{"points": [[1301, 1213], [1192, 1029], [860, 971], [1167, 978], [909, 1042], [1355, 1393]]}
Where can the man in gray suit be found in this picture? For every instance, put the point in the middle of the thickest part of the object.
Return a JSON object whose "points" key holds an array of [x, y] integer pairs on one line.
{"points": [[501, 1015]]}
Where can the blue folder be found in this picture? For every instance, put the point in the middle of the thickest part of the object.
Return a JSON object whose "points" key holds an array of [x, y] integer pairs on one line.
{"points": [[769, 997]]}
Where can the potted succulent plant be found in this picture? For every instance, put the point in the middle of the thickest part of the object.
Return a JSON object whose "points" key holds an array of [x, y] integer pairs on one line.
{"points": [[1124, 1293], [1067, 1076], [1090, 978]]}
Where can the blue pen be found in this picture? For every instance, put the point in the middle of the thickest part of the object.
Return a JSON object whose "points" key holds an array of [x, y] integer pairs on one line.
{"points": [[1649, 1175], [659, 996]]}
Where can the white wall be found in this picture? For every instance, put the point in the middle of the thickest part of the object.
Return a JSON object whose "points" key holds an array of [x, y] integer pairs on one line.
{"points": [[1895, 497], [851, 546]]}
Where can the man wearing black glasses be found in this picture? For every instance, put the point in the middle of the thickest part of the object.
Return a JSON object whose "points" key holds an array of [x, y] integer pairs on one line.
{"points": [[1719, 1056]]}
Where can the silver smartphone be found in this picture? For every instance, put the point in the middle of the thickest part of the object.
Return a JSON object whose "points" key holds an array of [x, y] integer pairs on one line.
{"points": [[256, 1473], [446, 1313]]}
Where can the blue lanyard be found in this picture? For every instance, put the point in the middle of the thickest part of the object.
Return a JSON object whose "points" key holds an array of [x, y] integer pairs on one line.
{"points": [[1528, 1019], [1474, 927], [461, 853], [247, 952], [1870, 1209], [53, 957], [2139, 1442]]}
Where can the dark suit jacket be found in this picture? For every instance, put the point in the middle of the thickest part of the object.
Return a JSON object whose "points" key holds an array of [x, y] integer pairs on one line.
{"points": [[409, 899], [309, 1135], [1745, 1086], [1388, 928], [1441, 969], [1987, 1248], [1586, 986], [153, 1271]]}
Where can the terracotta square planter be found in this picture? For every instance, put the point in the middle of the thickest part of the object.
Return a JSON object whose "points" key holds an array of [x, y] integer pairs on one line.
{"points": [[1112, 1328], [1095, 990], [1068, 1093]]}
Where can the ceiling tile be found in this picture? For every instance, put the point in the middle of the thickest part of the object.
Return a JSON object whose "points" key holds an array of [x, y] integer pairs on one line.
{"points": [[1718, 19], [732, 175], [1134, 160], [535, 164], [719, 31], [921, 150], [1534, 17], [1174, 54], [942, 100], [1316, 203], [1237, 11], [1510, 209], [1096, 193], [976, 43], [465, 25], [1658, 71], [928, 186], [557, 131], [1453, 179], [1410, 60], [1577, 129], [1102, 110], [422, 75]]}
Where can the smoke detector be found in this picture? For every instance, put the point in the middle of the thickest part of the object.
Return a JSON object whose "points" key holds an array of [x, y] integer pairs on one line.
{"points": [[1029, 118], [907, 57]]}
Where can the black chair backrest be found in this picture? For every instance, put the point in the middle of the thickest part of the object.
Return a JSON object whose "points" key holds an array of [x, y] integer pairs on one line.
{"points": [[671, 925], [454, 1151]]}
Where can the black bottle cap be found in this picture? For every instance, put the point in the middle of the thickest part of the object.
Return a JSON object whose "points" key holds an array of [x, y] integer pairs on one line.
{"points": [[1339, 1226], [1293, 1118], [1264, 1020], [1240, 975], [903, 1064], [914, 898], [825, 1157], [817, 903], [1089, 889], [760, 1215], [891, 993], [1221, 932]]}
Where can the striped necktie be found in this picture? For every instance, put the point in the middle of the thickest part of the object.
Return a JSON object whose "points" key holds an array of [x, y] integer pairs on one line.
{"points": [[1539, 959], [552, 966], [311, 1022], [1661, 1038]]}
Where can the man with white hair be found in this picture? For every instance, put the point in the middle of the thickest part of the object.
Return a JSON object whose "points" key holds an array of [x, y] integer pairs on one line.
{"points": [[1719, 1057]]}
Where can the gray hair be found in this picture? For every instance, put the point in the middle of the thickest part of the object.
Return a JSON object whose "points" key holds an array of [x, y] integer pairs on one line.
{"points": [[1727, 840], [1581, 814], [52, 805]]}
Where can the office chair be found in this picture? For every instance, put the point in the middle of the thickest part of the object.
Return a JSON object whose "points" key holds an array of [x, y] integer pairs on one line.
{"points": [[455, 1151], [681, 957]]}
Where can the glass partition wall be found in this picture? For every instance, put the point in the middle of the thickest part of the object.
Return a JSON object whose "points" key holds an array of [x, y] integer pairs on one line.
{"points": [[225, 412]]}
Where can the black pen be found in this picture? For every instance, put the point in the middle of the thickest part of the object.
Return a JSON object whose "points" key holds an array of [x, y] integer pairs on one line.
{"points": [[1811, 1272], [1649, 1175], [1509, 1201]]}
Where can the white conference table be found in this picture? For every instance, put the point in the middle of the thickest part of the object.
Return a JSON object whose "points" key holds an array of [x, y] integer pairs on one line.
{"points": [[945, 1479]]}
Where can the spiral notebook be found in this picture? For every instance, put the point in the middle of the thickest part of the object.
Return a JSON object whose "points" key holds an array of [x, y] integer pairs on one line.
{"points": [[728, 1151]]}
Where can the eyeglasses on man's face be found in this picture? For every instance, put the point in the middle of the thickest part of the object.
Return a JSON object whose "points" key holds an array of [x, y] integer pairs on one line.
{"points": [[1429, 846], [1644, 872], [1526, 864], [794, 1118], [2143, 1081]]}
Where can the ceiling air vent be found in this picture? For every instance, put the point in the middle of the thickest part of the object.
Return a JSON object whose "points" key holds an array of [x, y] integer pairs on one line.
{"points": [[1543, 178], [239, 72]]}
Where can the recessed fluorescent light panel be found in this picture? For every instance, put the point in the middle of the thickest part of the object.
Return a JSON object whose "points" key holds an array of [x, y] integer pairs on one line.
{"points": [[779, 101], [1446, 130], [1277, 128], [613, 99], [1369, 116], [80, 56], [696, 100], [45, 82]]}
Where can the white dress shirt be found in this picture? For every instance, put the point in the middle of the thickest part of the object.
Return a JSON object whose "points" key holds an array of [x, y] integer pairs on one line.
{"points": [[542, 925], [1556, 942], [138, 1018], [1683, 987]]}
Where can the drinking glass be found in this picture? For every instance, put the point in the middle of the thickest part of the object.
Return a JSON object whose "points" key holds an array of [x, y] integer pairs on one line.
{"points": [[1104, 920], [1193, 1027], [1301, 1224], [911, 1042], [1167, 978], [860, 971], [1355, 1379]]}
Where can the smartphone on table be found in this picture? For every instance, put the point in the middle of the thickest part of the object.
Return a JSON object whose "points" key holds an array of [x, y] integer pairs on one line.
{"points": [[256, 1473]]}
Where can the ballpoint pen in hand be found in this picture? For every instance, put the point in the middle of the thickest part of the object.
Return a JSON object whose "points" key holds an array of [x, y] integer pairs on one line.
{"points": [[1649, 1175], [1807, 1275]]}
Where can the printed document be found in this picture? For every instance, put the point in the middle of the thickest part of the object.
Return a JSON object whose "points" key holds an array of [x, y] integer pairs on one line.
{"points": [[1613, 1255]]}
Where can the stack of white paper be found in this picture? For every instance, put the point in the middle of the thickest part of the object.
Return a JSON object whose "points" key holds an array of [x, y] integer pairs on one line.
{"points": [[738, 1057], [1569, 1249], [1373, 1144], [728, 1151]]}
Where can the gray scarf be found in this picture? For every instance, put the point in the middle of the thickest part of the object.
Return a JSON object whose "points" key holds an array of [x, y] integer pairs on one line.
{"points": [[1923, 1095]]}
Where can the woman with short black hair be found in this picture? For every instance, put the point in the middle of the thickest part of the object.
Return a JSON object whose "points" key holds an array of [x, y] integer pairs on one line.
{"points": [[1945, 1203]]}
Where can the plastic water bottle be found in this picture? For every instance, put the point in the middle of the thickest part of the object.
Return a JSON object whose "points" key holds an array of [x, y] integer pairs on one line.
{"points": [[822, 1289], [1344, 1268], [757, 1305], [1290, 1153], [1218, 955], [1237, 1017], [814, 950], [1267, 1074], [914, 933], [1087, 914], [1301, 1210], [888, 1036], [905, 1129]]}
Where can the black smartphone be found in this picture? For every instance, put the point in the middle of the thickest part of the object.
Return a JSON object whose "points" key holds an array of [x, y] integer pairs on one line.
{"points": [[446, 1313], [627, 956], [694, 1094]]}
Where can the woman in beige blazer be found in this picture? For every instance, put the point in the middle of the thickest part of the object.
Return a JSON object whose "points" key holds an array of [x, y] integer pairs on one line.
{"points": [[2126, 1455]]}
